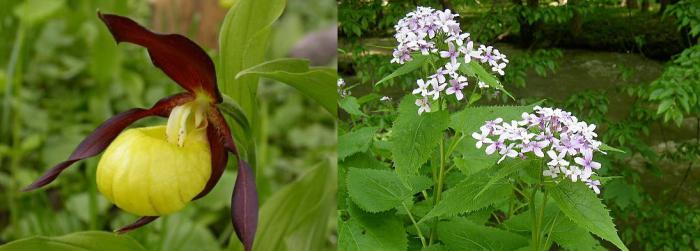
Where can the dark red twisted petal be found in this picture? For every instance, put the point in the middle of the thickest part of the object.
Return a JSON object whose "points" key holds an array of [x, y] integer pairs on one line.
{"points": [[219, 158], [223, 131], [99, 139], [137, 224], [244, 201], [244, 205], [179, 57]]}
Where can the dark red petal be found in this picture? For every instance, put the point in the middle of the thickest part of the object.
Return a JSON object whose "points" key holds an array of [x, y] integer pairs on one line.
{"points": [[99, 139], [180, 58], [222, 129], [137, 224], [219, 158], [244, 205]]}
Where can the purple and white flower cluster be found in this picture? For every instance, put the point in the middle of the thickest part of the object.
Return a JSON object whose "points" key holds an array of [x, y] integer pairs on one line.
{"points": [[568, 144], [429, 31]]}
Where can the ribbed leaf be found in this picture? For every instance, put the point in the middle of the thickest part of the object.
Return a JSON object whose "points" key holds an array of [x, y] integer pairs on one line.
{"points": [[90, 240], [381, 190], [582, 207], [414, 137], [318, 83], [461, 234]]}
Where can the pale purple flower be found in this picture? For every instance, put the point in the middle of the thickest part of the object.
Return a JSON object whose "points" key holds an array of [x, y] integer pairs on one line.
{"points": [[440, 75], [496, 145], [452, 53], [423, 105], [452, 69], [587, 160], [456, 86], [437, 88], [557, 159], [481, 138], [551, 171], [593, 184], [422, 88]]}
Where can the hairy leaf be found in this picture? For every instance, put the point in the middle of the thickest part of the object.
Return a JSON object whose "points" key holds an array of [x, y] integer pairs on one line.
{"points": [[415, 137], [470, 119], [366, 231], [350, 105], [355, 142], [461, 234], [381, 190], [408, 67], [582, 207], [462, 198]]}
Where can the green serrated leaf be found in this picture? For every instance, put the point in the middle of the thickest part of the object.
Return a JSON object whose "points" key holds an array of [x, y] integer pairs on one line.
{"points": [[582, 207], [605, 147], [562, 231], [407, 67], [462, 198], [381, 190], [366, 231], [461, 234], [470, 119], [356, 141], [414, 137], [351, 106], [505, 169]]}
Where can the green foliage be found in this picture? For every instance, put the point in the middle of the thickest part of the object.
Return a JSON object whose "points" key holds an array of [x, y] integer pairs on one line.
{"points": [[472, 194], [582, 207], [315, 82], [461, 234], [415, 136], [367, 231], [91, 240], [381, 190], [408, 67], [296, 216], [355, 142]]}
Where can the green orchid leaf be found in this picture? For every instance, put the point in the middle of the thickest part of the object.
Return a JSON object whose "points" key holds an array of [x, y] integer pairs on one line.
{"points": [[318, 83], [90, 240]]}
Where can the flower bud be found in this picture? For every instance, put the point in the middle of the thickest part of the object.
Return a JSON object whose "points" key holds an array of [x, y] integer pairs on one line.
{"points": [[144, 174]]}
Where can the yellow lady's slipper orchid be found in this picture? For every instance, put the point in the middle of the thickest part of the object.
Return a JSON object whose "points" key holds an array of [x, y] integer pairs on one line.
{"points": [[154, 171]]}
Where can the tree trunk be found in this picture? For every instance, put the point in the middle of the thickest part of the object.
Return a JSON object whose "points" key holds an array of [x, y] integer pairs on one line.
{"points": [[447, 4], [632, 4], [576, 19], [645, 5]]}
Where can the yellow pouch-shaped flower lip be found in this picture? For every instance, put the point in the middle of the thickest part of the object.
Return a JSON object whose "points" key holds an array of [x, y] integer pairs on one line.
{"points": [[144, 174]]}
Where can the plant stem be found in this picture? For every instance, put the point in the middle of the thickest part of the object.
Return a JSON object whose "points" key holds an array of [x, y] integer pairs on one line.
{"points": [[533, 215], [420, 233], [438, 188]]}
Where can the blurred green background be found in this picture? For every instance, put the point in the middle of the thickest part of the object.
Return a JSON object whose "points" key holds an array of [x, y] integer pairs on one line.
{"points": [[632, 67], [62, 75]]}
